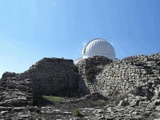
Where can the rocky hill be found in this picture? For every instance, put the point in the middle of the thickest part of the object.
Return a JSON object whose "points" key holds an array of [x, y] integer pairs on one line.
{"points": [[95, 89]]}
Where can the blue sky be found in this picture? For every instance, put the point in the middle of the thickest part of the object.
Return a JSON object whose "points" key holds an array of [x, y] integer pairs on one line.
{"points": [[33, 29]]}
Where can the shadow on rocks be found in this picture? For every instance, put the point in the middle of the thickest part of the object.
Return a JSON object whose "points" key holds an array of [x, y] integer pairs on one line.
{"points": [[38, 100]]}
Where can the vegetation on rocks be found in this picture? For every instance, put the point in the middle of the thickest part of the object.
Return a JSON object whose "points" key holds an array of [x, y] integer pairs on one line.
{"points": [[126, 89], [54, 98], [94, 66], [91, 72], [77, 113]]}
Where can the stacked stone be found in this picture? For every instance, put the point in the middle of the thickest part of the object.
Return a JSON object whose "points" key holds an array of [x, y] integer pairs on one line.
{"points": [[15, 92], [54, 76], [49, 76], [86, 86], [135, 78], [131, 88]]}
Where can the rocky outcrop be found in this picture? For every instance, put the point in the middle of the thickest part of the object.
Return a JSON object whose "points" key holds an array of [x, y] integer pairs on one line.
{"points": [[124, 89]]}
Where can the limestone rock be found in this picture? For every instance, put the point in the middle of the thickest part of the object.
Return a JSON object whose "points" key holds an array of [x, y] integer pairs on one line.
{"points": [[133, 82]]}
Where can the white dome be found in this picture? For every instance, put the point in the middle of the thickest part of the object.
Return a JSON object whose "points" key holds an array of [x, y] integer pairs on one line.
{"points": [[98, 47]]}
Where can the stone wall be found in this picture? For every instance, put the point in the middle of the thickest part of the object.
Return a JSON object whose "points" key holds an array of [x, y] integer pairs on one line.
{"points": [[131, 88], [49, 76], [139, 75], [136, 75], [15, 90], [54, 76], [88, 69]]}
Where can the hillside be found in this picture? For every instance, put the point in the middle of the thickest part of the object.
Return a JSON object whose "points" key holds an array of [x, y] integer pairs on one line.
{"points": [[96, 87]]}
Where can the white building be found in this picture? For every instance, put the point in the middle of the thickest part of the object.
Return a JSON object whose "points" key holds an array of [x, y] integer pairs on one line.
{"points": [[98, 47]]}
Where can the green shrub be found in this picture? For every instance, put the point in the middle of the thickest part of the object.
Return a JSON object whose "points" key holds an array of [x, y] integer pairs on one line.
{"points": [[93, 64], [77, 113], [91, 72]]}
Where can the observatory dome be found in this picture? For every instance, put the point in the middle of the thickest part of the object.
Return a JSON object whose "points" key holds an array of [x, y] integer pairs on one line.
{"points": [[98, 47]]}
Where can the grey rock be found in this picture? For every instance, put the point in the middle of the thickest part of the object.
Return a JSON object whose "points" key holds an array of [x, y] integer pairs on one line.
{"points": [[123, 103], [157, 119], [132, 82], [151, 105], [2, 108], [102, 118], [34, 109], [158, 108], [157, 102], [133, 103], [16, 102], [98, 111], [4, 112], [18, 109]]}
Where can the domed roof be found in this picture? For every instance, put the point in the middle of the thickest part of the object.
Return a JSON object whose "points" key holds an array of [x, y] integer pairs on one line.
{"points": [[98, 47]]}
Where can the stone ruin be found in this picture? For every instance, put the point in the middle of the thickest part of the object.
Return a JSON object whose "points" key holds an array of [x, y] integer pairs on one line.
{"points": [[128, 75], [53, 76], [132, 84]]}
